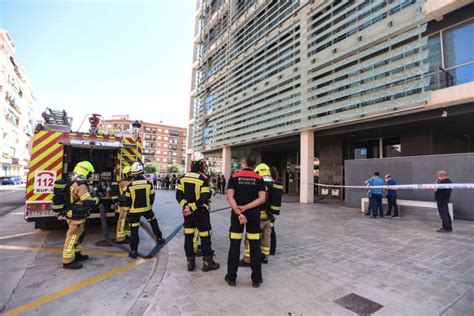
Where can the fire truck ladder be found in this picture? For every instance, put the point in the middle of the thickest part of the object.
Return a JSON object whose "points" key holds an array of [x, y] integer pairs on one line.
{"points": [[55, 120]]}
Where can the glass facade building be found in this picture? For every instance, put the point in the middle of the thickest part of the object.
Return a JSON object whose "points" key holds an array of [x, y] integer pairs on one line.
{"points": [[354, 76]]}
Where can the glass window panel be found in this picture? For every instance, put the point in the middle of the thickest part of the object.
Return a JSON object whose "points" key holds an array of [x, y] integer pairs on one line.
{"points": [[458, 45], [460, 75], [434, 52]]}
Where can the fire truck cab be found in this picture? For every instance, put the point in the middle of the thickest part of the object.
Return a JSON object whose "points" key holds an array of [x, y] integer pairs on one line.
{"points": [[56, 150]]}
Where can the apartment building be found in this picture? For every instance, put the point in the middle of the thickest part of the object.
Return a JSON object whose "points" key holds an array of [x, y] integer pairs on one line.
{"points": [[311, 86], [162, 144], [16, 111]]}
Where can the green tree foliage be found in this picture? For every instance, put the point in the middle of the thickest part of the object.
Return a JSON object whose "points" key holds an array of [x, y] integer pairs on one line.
{"points": [[151, 167]]}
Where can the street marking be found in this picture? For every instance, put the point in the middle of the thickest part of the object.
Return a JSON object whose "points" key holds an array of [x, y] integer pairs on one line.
{"points": [[18, 213], [73, 288], [17, 235], [87, 252]]}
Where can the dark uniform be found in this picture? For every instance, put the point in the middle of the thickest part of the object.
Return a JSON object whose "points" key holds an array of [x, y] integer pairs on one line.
{"points": [[193, 190], [275, 206], [442, 197], [140, 196], [246, 185]]}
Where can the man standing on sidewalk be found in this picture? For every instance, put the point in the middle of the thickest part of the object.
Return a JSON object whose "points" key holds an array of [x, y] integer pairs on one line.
{"points": [[245, 193], [391, 197], [375, 199], [442, 199]]}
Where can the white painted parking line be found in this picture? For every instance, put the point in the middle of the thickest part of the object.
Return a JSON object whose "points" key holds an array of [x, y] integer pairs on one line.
{"points": [[18, 235]]}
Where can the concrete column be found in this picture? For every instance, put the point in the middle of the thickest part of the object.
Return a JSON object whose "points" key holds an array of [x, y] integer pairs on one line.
{"points": [[226, 162], [307, 167]]}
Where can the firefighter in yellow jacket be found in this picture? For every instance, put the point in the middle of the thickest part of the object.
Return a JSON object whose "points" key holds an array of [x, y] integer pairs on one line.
{"points": [[193, 194], [140, 195], [270, 208], [123, 231], [78, 209]]}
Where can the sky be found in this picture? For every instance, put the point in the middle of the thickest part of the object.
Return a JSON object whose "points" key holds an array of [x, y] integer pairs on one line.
{"points": [[106, 56]]}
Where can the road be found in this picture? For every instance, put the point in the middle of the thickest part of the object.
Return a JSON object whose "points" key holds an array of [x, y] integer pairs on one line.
{"points": [[11, 198]]}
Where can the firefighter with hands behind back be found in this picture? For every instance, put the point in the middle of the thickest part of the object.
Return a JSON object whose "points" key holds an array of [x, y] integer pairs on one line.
{"points": [[193, 193]]}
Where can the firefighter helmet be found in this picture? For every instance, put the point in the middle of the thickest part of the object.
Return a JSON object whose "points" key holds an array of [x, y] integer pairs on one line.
{"points": [[198, 164], [263, 170], [136, 168], [197, 156], [84, 168]]}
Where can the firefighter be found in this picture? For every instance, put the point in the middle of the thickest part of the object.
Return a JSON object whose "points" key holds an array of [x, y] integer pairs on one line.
{"points": [[80, 204], [193, 194], [275, 205], [266, 216], [245, 193], [123, 229], [197, 246], [140, 196]]}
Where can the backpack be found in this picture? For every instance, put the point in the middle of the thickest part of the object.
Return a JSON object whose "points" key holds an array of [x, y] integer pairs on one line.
{"points": [[61, 196]]}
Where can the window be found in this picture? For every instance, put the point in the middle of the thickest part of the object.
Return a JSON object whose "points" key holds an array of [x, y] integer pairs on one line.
{"points": [[392, 147], [166, 131], [458, 45], [166, 138]]}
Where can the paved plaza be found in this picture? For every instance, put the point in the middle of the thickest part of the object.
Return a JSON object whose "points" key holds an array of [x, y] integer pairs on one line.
{"points": [[325, 252]]}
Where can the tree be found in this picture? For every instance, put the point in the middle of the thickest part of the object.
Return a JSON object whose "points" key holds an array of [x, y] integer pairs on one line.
{"points": [[151, 167], [175, 169]]}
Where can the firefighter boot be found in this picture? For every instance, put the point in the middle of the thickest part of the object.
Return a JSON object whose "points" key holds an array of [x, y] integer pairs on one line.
{"points": [[209, 264], [80, 257], [72, 266], [191, 263]]}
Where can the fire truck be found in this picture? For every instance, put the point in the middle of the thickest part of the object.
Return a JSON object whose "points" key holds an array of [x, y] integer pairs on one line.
{"points": [[55, 151]]}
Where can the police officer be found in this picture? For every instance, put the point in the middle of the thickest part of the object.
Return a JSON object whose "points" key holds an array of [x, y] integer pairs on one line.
{"points": [[123, 230], [78, 209], [193, 194], [245, 193], [266, 214], [140, 196], [275, 205]]}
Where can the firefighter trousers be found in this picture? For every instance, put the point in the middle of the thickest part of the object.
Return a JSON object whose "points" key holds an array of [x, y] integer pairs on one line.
{"points": [[135, 225], [253, 236], [199, 220], [273, 239], [74, 238], [265, 227], [123, 229]]}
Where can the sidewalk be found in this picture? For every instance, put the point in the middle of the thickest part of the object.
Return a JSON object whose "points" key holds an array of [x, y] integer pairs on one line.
{"points": [[324, 253]]}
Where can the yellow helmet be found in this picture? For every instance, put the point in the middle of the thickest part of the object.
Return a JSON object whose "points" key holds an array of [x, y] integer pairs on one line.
{"points": [[126, 170], [84, 168], [263, 170]]}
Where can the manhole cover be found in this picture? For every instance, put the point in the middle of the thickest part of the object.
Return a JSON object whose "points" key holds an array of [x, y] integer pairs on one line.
{"points": [[358, 304]]}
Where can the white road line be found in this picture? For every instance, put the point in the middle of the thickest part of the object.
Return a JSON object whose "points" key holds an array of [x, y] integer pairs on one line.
{"points": [[18, 235]]}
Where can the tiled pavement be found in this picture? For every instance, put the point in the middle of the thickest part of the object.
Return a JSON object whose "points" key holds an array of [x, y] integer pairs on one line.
{"points": [[325, 252]]}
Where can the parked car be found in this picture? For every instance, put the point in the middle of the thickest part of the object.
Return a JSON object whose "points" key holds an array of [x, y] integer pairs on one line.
{"points": [[9, 180]]}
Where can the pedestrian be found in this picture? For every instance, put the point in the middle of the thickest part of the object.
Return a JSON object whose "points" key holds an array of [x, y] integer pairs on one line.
{"points": [[375, 196], [391, 197], [79, 205], [173, 182], [159, 182], [223, 181], [155, 181], [193, 194], [218, 184], [245, 194], [140, 196], [442, 197], [276, 196], [167, 182], [123, 227]]}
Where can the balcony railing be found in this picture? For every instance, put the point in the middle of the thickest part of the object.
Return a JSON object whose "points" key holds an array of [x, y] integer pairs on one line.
{"points": [[445, 78]]}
